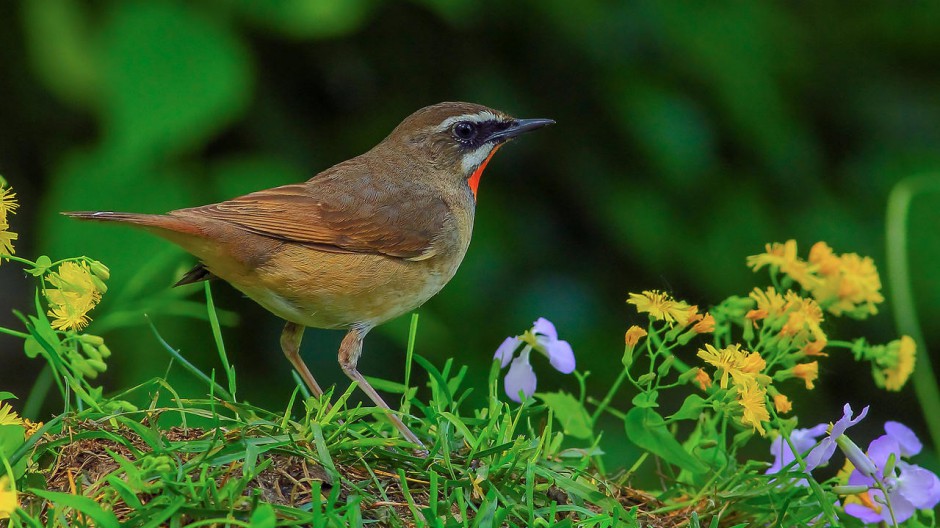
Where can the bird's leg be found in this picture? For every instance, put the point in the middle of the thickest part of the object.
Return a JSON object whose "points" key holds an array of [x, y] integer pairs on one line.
{"points": [[349, 352], [290, 343]]}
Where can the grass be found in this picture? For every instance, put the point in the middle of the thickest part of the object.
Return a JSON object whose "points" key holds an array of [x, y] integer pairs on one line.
{"points": [[308, 465]]}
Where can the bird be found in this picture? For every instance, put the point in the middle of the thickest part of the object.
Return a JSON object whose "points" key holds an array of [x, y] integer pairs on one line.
{"points": [[359, 244]]}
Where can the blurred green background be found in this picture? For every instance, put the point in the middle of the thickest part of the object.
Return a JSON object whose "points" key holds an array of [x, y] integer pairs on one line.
{"points": [[688, 135]]}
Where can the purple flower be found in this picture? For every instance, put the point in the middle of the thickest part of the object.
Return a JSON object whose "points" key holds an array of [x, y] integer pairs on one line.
{"points": [[559, 352], [802, 439], [909, 487], [910, 444], [520, 378], [542, 338], [823, 452], [506, 350]]}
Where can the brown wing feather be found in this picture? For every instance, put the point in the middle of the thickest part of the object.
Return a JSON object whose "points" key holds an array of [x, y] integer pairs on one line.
{"points": [[339, 212]]}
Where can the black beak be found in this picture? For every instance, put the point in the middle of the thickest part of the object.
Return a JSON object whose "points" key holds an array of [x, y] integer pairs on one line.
{"points": [[519, 127]]}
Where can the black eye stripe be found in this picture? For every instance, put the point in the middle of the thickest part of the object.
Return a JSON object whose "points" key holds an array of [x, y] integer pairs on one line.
{"points": [[482, 130]]}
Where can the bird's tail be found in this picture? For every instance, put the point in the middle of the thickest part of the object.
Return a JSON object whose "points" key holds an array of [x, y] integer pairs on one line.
{"points": [[161, 224]]}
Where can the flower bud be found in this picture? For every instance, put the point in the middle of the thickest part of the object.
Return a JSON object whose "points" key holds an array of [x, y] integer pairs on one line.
{"points": [[859, 459], [665, 366], [100, 270], [98, 365], [849, 490], [91, 339], [91, 352], [99, 284]]}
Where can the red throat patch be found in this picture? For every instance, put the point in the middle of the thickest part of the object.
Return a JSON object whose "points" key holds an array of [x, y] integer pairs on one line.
{"points": [[474, 180]]}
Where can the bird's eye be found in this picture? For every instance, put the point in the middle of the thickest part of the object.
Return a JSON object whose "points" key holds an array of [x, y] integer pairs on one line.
{"points": [[465, 131]]}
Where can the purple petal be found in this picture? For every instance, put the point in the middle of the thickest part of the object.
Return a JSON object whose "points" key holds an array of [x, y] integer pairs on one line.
{"points": [[857, 479], [545, 327], [910, 444], [821, 454], [920, 486], [520, 377], [802, 439], [864, 513], [561, 356], [881, 448], [846, 421], [903, 509], [506, 349]]}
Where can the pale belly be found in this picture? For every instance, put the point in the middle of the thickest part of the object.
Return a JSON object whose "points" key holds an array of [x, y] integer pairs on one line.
{"points": [[338, 290]]}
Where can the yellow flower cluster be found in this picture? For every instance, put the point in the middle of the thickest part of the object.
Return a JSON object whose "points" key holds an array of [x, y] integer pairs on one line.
{"points": [[850, 283], [892, 364], [8, 207], [844, 284], [745, 370], [663, 307], [75, 290], [797, 321]]}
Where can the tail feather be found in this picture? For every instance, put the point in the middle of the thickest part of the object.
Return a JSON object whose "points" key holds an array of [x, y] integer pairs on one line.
{"points": [[197, 274], [158, 222]]}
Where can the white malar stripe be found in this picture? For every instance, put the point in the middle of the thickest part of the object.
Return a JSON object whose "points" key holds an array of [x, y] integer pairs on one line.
{"points": [[473, 118], [473, 159]]}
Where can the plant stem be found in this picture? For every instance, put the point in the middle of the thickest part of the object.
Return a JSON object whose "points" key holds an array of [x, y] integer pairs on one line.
{"points": [[610, 395], [899, 281]]}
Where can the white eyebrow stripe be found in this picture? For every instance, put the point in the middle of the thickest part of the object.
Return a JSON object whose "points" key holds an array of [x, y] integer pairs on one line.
{"points": [[480, 117]]}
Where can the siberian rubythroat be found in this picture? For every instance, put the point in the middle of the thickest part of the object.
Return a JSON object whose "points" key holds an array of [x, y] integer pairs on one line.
{"points": [[362, 242]]}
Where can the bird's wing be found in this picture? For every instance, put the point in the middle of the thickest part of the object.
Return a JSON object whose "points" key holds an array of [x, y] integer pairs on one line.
{"points": [[336, 214]]}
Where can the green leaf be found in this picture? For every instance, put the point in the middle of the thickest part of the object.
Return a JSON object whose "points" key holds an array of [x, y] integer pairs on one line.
{"points": [[647, 429], [646, 399], [5, 395], [102, 518], [31, 347], [174, 76], [43, 263], [569, 412], [691, 408], [264, 517], [12, 438]]}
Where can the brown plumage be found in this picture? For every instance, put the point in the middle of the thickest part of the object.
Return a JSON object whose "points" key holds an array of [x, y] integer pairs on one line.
{"points": [[360, 243]]}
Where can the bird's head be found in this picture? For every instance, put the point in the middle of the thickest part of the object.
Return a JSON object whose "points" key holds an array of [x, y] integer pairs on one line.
{"points": [[458, 139]]}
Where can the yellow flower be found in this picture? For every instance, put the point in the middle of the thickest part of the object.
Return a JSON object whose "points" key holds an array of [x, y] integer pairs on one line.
{"points": [[782, 404], [808, 372], [783, 257], [703, 379], [633, 336], [6, 239], [8, 203], [31, 427], [73, 295], [662, 307], [731, 360], [804, 317], [8, 416], [850, 283], [753, 400], [706, 325], [8, 502], [770, 303], [897, 363]]}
